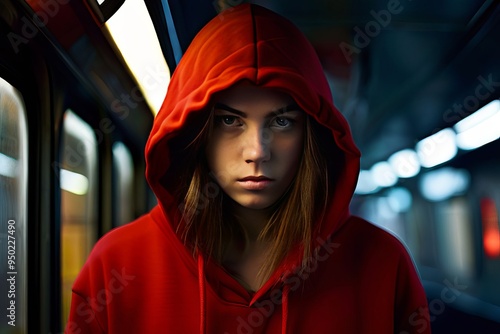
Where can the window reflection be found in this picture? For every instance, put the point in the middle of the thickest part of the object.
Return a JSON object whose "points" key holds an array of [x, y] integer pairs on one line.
{"points": [[13, 195], [123, 173], [79, 193]]}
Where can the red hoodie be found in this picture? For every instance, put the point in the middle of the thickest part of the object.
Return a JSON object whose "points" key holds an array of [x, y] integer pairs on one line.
{"points": [[141, 278]]}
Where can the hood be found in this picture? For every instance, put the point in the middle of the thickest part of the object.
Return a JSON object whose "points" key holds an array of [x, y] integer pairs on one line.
{"points": [[259, 46]]}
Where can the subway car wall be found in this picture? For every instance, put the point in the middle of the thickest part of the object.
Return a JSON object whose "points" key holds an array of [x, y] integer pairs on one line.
{"points": [[74, 122], [71, 155]]}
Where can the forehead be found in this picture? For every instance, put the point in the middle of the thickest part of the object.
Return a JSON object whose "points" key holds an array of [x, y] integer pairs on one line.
{"points": [[245, 95]]}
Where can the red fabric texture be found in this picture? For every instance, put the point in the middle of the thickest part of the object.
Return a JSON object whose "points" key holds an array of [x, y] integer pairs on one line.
{"points": [[141, 278]]}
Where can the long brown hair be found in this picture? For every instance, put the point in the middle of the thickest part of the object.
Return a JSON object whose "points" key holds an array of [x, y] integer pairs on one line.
{"points": [[206, 228]]}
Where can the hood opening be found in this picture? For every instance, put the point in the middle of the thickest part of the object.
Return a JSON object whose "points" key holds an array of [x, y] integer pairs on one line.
{"points": [[257, 45]]}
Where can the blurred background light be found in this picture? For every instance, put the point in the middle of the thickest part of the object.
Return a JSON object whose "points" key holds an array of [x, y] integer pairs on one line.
{"points": [[444, 183], [366, 184], [383, 175], [405, 163], [73, 182], [491, 228], [479, 128], [399, 199], [437, 149], [385, 212], [8, 166]]}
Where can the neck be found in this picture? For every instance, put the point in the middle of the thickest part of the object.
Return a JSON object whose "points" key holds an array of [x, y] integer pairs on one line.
{"points": [[245, 253], [244, 256], [251, 221]]}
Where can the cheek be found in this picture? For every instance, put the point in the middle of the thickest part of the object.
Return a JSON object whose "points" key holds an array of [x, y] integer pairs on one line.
{"points": [[213, 158], [211, 151], [218, 154], [290, 152]]}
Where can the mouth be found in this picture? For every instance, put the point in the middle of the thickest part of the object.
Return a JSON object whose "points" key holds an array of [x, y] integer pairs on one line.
{"points": [[255, 178], [255, 182]]}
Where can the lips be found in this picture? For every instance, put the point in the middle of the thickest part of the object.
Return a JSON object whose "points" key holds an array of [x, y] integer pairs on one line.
{"points": [[255, 178], [255, 182]]}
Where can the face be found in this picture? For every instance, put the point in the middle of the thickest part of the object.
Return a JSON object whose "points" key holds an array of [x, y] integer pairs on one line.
{"points": [[256, 143]]}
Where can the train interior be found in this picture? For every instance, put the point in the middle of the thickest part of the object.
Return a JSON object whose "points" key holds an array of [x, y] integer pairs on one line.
{"points": [[418, 81]]}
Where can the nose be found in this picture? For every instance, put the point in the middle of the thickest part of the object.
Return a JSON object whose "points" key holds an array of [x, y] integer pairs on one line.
{"points": [[257, 145]]}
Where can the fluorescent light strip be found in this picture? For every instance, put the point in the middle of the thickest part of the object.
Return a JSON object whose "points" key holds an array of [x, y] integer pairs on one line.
{"points": [[383, 175], [480, 128], [135, 36], [437, 149], [405, 163], [481, 115]]}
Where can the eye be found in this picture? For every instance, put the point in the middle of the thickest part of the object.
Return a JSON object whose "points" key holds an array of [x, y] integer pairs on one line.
{"points": [[227, 120], [281, 122]]}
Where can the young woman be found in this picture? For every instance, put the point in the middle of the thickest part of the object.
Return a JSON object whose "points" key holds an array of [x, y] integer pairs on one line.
{"points": [[254, 169]]}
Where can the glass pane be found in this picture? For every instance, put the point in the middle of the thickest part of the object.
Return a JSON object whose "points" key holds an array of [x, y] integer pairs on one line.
{"points": [[79, 194], [123, 171], [13, 199]]}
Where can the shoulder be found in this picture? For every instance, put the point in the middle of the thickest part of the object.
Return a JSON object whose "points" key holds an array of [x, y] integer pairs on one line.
{"points": [[126, 236], [372, 255], [366, 234], [150, 226], [371, 259], [123, 248], [366, 242], [125, 244]]}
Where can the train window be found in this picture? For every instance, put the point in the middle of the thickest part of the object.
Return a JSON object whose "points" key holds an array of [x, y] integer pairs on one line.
{"points": [[13, 209], [123, 173], [79, 194]]}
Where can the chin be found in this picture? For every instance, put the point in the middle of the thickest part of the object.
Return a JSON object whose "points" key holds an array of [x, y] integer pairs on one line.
{"points": [[255, 203], [254, 206]]}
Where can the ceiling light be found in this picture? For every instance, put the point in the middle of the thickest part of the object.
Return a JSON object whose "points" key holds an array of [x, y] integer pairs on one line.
{"points": [[383, 175], [479, 128], [405, 163], [444, 183], [437, 149], [134, 34]]}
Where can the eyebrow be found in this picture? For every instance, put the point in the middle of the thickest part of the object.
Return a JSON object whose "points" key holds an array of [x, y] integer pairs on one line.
{"points": [[282, 110]]}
